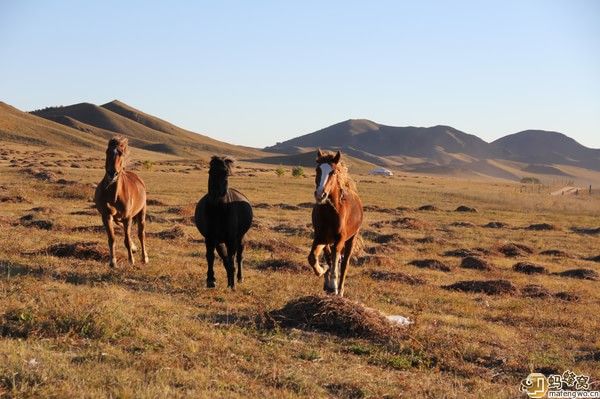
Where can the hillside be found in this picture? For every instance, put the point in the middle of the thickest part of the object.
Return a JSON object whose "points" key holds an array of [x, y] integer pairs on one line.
{"points": [[544, 147], [446, 150], [143, 130]]}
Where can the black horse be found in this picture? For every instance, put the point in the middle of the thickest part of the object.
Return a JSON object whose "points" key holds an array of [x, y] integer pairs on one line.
{"points": [[223, 216]]}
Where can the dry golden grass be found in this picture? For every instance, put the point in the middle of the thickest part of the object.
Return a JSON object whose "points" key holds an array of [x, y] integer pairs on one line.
{"points": [[72, 327]]}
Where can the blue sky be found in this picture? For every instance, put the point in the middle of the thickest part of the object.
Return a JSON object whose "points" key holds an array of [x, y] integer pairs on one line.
{"points": [[257, 72]]}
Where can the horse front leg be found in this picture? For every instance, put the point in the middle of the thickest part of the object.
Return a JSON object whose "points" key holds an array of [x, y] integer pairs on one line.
{"points": [[240, 260], [210, 260], [348, 247], [107, 220], [313, 258], [333, 274], [128, 244], [226, 252], [141, 220]]}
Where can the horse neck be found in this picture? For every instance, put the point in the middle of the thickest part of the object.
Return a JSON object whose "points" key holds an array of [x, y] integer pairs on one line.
{"points": [[213, 190], [335, 195]]}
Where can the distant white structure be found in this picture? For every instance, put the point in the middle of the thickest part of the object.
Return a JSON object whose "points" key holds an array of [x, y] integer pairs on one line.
{"points": [[381, 172]]}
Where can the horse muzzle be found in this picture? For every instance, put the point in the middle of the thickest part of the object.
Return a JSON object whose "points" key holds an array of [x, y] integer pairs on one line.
{"points": [[321, 198]]}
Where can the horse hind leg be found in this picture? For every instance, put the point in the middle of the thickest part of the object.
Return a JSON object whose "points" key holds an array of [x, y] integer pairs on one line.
{"points": [[127, 231], [240, 261], [226, 254], [107, 220], [210, 260], [348, 248], [141, 221]]}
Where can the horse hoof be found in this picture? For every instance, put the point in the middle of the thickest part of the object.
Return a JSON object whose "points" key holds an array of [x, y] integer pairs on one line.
{"points": [[145, 260], [211, 284], [112, 265]]}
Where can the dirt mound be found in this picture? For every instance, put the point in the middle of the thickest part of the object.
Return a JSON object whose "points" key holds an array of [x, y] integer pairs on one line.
{"points": [[385, 249], [529, 268], [306, 205], [374, 260], [15, 199], [383, 238], [584, 274], [462, 224], [335, 315], [152, 218], [184, 210], [496, 225], [541, 227], [396, 276], [567, 296], [433, 264], [512, 250], [428, 208], [294, 230], [31, 220], [377, 208], [464, 208], [155, 202], [586, 230], [78, 250], [262, 205], [42, 174], [172, 233], [489, 287], [282, 264], [594, 258], [288, 207], [535, 291], [43, 210], [472, 262], [461, 253], [555, 252]]}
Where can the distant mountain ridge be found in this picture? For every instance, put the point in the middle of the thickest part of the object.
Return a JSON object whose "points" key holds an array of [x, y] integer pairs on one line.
{"points": [[438, 146]]}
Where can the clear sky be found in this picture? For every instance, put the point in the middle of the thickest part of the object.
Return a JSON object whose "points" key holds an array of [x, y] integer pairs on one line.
{"points": [[258, 72]]}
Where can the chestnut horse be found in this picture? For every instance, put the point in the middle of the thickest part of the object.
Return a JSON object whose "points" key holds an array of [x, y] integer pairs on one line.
{"points": [[223, 216], [121, 198], [336, 217]]}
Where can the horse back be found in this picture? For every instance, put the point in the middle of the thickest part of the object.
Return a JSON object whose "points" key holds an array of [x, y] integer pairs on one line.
{"points": [[228, 217]]}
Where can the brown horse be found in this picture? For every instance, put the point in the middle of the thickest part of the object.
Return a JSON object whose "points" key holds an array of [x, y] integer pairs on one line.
{"points": [[336, 217], [121, 198]]}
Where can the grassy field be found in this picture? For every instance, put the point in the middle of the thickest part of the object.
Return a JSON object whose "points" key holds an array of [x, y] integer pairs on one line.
{"points": [[73, 327]]}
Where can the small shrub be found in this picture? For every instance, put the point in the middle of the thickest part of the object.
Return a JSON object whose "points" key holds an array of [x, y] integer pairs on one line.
{"points": [[147, 165], [530, 180], [298, 171], [279, 171]]}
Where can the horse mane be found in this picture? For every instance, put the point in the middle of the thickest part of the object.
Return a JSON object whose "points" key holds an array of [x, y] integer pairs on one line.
{"points": [[222, 160], [344, 179]]}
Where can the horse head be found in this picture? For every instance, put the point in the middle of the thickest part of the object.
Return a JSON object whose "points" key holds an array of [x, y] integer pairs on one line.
{"points": [[115, 158], [220, 170], [326, 179]]}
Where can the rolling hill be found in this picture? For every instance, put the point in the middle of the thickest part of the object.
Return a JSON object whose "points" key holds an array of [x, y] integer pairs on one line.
{"points": [[143, 130], [446, 150]]}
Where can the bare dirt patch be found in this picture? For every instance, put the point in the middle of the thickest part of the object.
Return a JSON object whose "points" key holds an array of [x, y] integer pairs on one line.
{"points": [[433, 264], [462, 224], [489, 287]]}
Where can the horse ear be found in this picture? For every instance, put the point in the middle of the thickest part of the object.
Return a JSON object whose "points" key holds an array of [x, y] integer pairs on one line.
{"points": [[337, 157], [319, 153]]}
